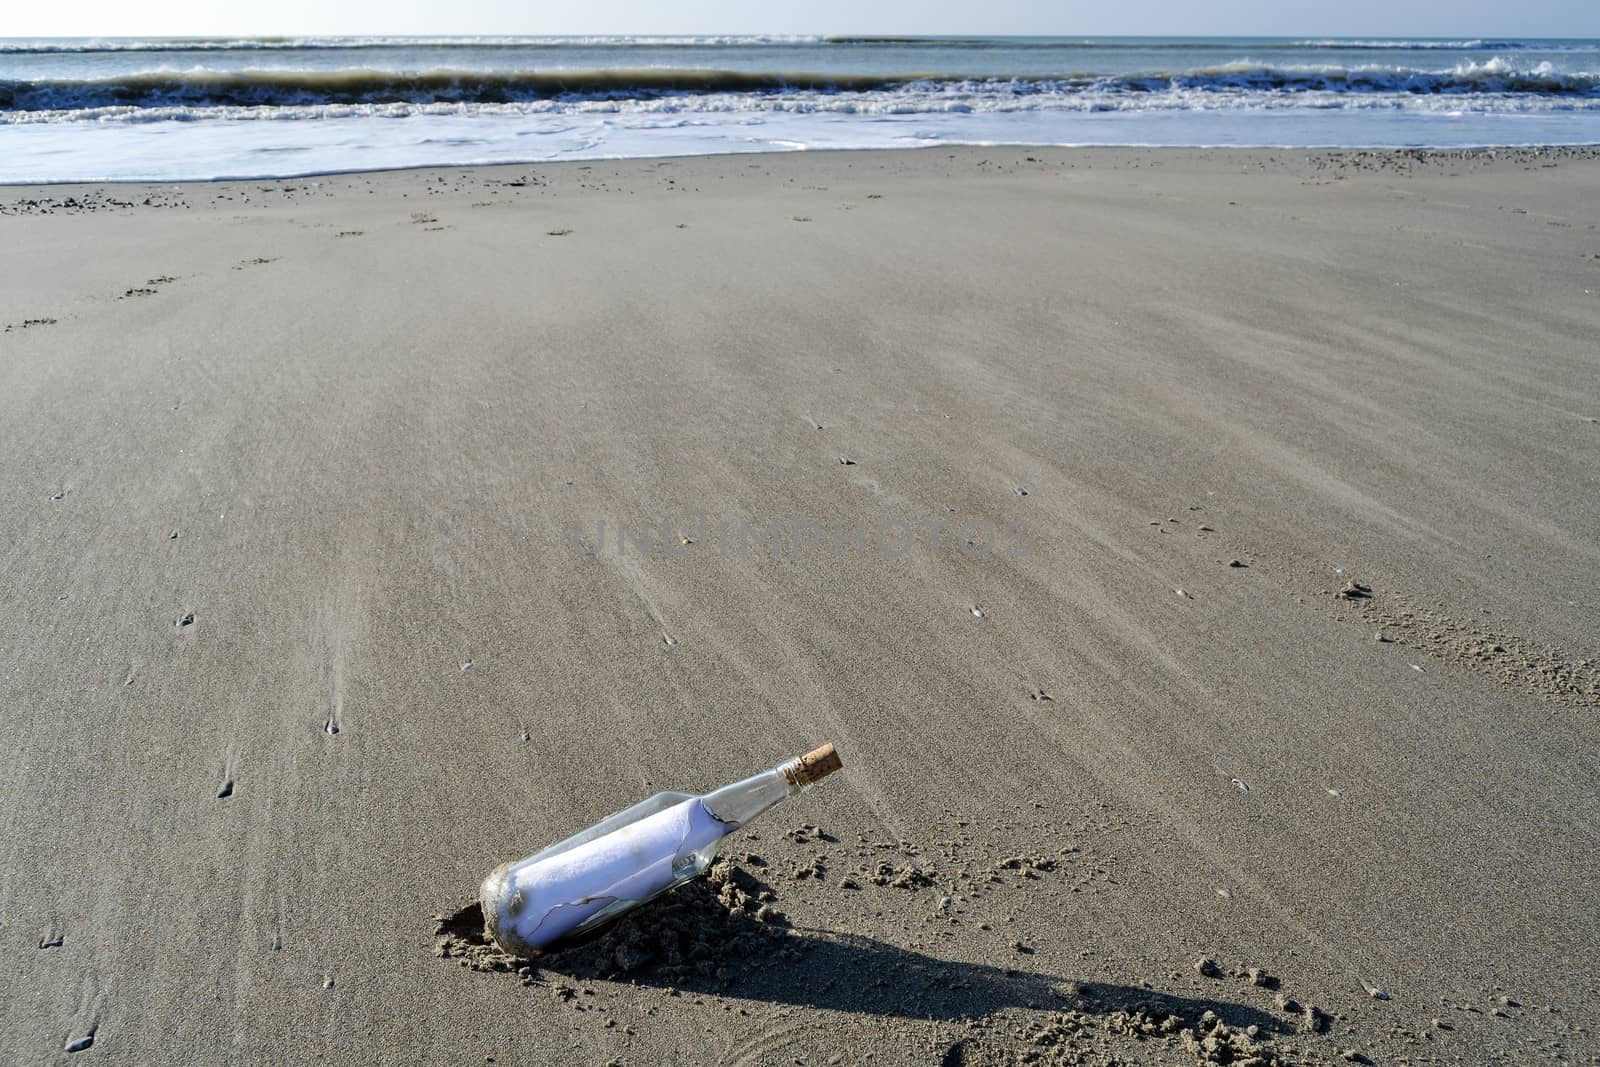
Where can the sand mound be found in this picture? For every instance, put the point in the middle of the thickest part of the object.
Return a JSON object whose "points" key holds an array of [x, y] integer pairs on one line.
{"points": [[688, 934]]}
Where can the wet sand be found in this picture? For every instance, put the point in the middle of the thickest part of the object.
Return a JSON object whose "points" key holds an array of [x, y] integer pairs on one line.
{"points": [[1191, 553]]}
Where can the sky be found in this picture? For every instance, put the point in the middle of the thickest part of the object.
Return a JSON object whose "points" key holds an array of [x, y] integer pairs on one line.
{"points": [[1361, 18]]}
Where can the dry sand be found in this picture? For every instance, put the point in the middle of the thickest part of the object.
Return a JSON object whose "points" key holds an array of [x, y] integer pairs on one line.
{"points": [[297, 644]]}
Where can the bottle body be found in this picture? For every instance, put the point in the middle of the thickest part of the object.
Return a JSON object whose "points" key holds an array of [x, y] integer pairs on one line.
{"points": [[540, 900], [621, 862]]}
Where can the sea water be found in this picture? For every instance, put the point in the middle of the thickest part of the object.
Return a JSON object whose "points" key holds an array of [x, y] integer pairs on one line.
{"points": [[170, 109]]}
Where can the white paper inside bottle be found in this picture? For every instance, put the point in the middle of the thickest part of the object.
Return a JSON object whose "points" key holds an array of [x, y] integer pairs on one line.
{"points": [[634, 862]]}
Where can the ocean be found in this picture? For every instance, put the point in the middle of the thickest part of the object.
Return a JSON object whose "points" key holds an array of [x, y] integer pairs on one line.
{"points": [[173, 109]]}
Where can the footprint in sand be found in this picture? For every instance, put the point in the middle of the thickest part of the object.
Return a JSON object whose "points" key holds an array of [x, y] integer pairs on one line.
{"points": [[28, 324], [423, 218], [149, 288], [258, 261], [351, 233], [85, 1027]]}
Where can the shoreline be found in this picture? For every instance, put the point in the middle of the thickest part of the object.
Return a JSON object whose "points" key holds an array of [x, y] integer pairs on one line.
{"points": [[1585, 150]]}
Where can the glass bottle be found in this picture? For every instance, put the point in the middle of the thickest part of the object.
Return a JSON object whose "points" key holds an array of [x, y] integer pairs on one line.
{"points": [[592, 877]]}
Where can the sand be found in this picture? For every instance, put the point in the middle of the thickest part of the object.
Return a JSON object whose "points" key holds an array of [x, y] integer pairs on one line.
{"points": [[1033, 479]]}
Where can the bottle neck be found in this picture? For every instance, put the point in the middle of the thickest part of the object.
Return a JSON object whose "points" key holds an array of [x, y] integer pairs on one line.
{"points": [[743, 800]]}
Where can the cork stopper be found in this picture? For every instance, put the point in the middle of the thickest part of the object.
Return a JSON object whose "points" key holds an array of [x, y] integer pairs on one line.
{"points": [[814, 766]]}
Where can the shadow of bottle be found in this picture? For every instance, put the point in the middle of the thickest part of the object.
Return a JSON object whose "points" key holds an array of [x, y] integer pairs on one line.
{"points": [[717, 936]]}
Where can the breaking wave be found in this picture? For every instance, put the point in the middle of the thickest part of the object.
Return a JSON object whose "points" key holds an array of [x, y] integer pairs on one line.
{"points": [[200, 88]]}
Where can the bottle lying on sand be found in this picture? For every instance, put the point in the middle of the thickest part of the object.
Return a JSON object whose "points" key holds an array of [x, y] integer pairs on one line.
{"points": [[592, 877]]}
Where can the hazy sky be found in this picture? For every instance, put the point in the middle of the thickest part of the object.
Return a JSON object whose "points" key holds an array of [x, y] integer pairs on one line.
{"points": [[1457, 18]]}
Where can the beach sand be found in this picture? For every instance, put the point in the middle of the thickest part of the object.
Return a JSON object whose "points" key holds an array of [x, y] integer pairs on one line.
{"points": [[1191, 553]]}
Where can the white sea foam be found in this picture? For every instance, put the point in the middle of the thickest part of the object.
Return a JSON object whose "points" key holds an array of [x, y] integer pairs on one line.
{"points": [[443, 136]]}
